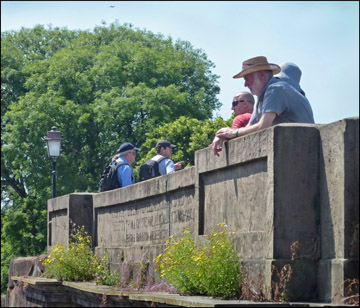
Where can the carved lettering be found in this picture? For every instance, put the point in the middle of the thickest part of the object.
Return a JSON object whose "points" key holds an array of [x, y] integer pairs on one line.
{"points": [[144, 222], [142, 236], [130, 225], [181, 216], [161, 235], [118, 225], [130, 238]]}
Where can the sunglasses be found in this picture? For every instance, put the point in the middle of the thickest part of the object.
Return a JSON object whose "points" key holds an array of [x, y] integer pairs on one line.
{"points": [[234, 103]]}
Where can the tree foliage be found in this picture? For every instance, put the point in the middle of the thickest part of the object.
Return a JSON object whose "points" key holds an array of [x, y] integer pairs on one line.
{"points": [[188, 134], [100, 88]]}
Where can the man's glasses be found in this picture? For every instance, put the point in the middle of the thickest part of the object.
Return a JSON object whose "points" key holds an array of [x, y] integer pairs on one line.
{"points": [[234, 103]]}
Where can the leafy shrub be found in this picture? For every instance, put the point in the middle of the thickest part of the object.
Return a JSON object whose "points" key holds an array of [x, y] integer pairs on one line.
{"points": [[211, 269], [77, 262]]}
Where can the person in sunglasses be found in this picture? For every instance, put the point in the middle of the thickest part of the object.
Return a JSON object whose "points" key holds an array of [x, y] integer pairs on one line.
{"points": [[279, 101], [242, 105], [126, 156]]}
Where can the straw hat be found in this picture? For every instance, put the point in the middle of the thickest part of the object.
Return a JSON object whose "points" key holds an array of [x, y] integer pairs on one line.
{"points": [[257, 64]]}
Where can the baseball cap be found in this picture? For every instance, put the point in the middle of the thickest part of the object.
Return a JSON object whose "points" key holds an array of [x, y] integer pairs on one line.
{"points": [[165, 144], [127, 146]]}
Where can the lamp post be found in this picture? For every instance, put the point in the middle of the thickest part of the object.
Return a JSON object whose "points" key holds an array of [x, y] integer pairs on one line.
{"points": [[53, 142]]}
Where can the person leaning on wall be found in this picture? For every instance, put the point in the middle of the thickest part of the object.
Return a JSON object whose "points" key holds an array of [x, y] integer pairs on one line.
{"points": [[243, 106], [278, 100]]}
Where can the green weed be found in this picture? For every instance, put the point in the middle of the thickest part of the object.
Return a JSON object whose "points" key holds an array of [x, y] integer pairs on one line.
{"points": [[211, 269]]}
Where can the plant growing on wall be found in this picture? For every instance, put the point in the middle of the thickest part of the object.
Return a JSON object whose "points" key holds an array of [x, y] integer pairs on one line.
{"points": [[77, 262], [212, 269]]}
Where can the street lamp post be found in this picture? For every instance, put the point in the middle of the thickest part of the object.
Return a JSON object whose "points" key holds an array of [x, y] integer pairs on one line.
{"points": [[53, 142]]}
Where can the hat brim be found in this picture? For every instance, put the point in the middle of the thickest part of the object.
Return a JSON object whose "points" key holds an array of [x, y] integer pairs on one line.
{"points": [[136, 149], [259, 67]]}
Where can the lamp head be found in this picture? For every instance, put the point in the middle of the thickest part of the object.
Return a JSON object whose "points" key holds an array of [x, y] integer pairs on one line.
{"points": [[54, 142]]}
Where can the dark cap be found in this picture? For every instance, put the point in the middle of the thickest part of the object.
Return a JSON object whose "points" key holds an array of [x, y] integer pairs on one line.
{"points": [[127, 146], [165, 144]]}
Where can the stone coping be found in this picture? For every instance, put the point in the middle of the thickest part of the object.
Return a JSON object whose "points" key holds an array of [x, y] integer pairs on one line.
{"points": [[146, 189], [161, 297], [37, 281]]}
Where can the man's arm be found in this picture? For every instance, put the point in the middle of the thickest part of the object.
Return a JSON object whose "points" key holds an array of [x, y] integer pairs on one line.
{"points": [[266, 121]]}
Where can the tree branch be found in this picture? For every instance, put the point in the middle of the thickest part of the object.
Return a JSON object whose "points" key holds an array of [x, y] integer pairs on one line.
{"points": [[12, 182]]}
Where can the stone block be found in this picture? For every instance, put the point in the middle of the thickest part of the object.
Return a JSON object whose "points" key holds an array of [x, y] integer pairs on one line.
{"points": [[339, 205], [138, 219], [25, 266], [66, 212]]}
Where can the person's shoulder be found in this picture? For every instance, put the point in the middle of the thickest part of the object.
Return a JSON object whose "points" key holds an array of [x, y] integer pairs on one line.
{"points": [[121, 162], [158, 158], [168, 160], [278, 85], [243, 116], [241, 120]]}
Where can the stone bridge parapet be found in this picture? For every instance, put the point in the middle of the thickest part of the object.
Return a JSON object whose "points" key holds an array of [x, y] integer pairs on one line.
{"points": [[288, 183]]}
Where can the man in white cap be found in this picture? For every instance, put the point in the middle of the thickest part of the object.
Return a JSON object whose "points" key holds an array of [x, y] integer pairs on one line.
{"points": [[278, 101]]}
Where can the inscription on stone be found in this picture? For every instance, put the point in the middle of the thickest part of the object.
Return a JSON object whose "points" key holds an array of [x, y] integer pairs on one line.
{"points": [[118, 225], [181, 216], [130, 225], [161, 235], [142, 236], [130, 238]]}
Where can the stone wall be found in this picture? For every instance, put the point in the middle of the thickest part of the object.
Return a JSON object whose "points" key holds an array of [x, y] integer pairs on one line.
{"points": [[289, 183], [21, 266], [339, 205], [137, 220]]}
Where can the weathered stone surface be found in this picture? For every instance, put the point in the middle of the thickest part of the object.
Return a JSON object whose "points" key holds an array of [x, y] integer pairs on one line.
{"points": [[66, 212], [22, 266], [25, 266], [158, 208], [339, 205]]}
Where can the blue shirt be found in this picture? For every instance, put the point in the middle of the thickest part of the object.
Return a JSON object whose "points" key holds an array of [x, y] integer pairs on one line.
{"points": [[289, 104], [166, 166], [125, 173]]}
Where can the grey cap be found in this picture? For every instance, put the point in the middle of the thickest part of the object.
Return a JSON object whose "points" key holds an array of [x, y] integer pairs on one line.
{"points": [[165, 144]]}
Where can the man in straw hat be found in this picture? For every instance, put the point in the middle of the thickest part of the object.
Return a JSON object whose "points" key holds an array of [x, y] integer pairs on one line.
{"points": [[278, 100]]}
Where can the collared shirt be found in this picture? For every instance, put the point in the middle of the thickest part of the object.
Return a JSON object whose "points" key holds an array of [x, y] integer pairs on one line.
{"points": [[125, 173], [166, 166], [290, 105], [241, 120]]}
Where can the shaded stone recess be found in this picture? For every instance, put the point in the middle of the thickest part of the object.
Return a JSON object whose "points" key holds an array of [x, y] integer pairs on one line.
{"points": [[66, 213], [290, 193]]}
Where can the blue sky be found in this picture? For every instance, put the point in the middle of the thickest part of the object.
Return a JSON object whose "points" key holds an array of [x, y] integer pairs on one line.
{"points": [[321, 37]]}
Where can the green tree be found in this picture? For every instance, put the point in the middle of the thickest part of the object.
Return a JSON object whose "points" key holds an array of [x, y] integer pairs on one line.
{"points": [[100, 88], [189, 134]]}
